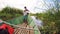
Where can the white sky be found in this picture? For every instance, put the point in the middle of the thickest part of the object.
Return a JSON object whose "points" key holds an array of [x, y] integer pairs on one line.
{"points": [[31, 4]]}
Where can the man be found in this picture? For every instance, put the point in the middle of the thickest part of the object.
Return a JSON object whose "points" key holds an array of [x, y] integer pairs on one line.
{"points": [[5, 28], [25, 13], [39, 23]]}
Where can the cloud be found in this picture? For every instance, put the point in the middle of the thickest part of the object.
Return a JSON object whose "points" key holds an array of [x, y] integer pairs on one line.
{"points": [[31, 4], [17, 3]]}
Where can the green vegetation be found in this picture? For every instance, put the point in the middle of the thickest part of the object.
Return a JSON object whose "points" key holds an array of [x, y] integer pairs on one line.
{"points": [[9, 13], [51, 20]]}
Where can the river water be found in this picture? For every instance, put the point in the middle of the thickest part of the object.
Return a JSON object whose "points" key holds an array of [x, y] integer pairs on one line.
{"points": [[38, 22]]}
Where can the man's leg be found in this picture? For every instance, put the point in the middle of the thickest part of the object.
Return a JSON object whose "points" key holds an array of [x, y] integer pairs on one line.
{"points": [[25, 19]]}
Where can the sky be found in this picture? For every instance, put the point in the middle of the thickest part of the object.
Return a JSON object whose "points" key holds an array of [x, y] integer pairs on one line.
{"points": [[33, 6]]}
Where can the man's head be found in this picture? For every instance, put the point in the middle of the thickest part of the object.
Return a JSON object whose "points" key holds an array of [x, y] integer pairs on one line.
{"points": [[36, 17], [25, 7]]}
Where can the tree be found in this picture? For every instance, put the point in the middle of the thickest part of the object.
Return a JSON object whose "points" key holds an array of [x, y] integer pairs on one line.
{"points": [[9, 13]]}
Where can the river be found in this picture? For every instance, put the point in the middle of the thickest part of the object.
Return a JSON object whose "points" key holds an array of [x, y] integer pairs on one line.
{"points": [[38, 22]]}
